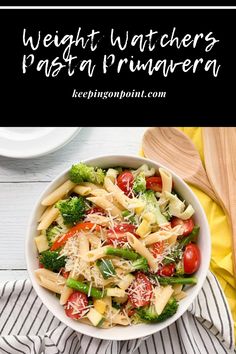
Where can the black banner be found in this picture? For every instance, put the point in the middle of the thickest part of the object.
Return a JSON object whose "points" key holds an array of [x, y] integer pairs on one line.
{"points": [[118, 66]]}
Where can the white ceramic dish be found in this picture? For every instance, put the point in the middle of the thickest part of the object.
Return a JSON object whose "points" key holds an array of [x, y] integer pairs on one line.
{"points": [[118, 332], [28, 142]]}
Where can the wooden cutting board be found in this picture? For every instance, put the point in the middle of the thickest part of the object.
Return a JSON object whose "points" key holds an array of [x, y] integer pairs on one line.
{"points": [[220, 161]]}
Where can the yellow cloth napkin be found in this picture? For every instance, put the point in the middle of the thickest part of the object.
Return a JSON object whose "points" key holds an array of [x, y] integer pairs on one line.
{"points": [[221, 257]]}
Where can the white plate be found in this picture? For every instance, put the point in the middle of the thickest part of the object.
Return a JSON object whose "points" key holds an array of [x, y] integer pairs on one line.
{"points": [[26, 142]]}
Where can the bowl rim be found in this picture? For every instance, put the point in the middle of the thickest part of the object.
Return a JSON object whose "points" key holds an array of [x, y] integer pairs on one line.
{"points": [[152, 328]]}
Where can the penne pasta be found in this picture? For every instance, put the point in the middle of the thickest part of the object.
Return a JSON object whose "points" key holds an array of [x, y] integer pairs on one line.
{"points": [[140, 248], [153, 238], [94, 241], [83, 245], [91, 185], [65, 294], [108, 301], [121, 300], [109, 196], [82, 190], [48, 219], [162, 296], [100, 193], [172, 239], [50, 280], [59, 193], [93, 255], [99, 219], [125, 201], [163, 235], [118, 194], [166, 179], [46, 211], [83, 249], [106, 205]]}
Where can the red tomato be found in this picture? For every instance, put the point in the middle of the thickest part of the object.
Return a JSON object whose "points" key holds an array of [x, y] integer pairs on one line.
{"points": [[154, 183], [125, 182], [116, 241], [131, 312], [188, 225], [41, 265], [167, 270], [76, 304], [122, 228], [140, 291], [65, 274], [116, 236], [157, 248], [95, 210], [192, 258]]}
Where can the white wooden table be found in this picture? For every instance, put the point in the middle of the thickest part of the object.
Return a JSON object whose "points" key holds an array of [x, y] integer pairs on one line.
{"points": [[21, 181]]}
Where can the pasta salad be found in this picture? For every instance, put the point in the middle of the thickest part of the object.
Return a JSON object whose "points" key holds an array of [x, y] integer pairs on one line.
{"points": [[117, 246]]}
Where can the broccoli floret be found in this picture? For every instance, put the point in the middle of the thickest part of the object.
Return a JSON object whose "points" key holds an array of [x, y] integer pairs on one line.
{"points": [[83, 173], [152, 206], [139, 183], [140, 264], [52, 260], [149, 314], [72, 209], [51, 233]]}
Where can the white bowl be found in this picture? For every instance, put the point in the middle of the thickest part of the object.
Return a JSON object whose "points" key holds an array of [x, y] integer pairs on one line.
{"points": [[119, 332]]}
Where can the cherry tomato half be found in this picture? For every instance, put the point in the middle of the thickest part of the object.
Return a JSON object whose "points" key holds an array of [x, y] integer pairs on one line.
{"points": [[124, 227], [154, 183], [188, 225], [65, 274], [140, 291], [131, 312], [76, 304], [119, 240], [157, 248], [191, 258], [125, 182], [95, 210], [167, 270], [117, 236]]}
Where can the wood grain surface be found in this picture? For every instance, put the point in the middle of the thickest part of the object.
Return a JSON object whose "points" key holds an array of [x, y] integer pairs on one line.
{"points": [[220, 159], [174, 149]]}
